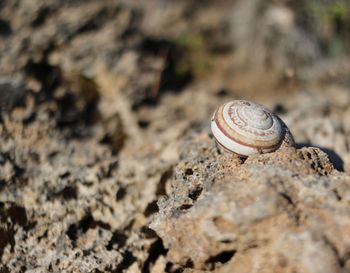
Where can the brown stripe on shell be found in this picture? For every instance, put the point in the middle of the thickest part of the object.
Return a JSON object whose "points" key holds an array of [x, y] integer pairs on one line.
{"points": [[224, 131]]}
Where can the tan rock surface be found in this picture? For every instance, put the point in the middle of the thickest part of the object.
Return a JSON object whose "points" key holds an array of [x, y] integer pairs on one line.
{"points": [[104, 122], [279, 212]]}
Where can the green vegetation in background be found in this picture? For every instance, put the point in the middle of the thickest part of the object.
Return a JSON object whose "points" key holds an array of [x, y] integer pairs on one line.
{"points": [[196, 58], [328, 15], [190, 41], [338, 11]]}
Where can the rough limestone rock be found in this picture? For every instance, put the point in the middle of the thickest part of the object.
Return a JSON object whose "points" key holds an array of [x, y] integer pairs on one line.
{"points": [[104, 122], [285, 211]]}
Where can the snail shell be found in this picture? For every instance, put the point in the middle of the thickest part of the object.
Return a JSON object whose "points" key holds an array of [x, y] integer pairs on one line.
{"points": [[247, 128]]}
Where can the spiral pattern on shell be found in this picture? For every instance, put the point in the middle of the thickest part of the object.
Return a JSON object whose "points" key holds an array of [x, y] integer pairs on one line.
{"points": [[247, 128]]}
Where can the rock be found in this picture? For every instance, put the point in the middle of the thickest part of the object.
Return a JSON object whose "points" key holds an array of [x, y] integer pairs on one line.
{"points": [[105, 109], [11, 92], [268, 212]]}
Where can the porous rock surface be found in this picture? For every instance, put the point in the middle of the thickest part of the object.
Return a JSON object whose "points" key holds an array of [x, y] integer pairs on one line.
{"points": [[281, 212], [106, 158]]}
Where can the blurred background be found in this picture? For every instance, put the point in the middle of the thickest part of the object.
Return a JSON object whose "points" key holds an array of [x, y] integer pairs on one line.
{"points": [[289, 55], [103, 92]]}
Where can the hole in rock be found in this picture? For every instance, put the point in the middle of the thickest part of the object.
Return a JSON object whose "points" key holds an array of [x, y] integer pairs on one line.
{"points": [[117, 241], [194, 194], [157, 249], [334, 158], [5, 28], [50, 76], [86, 223], [6, 237], [65, 175], [17, 215], [188, 171], [72, 232], [120, 194], [45, 234], [221, 258], [189, 263], [173, 268], [143, 124], [128, 260], [185, 206], [149, 233], [68, 193], [151, 208]]}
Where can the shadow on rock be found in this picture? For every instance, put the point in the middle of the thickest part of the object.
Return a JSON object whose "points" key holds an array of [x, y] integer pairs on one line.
{"points": [[336, 160], [11, 93]]}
